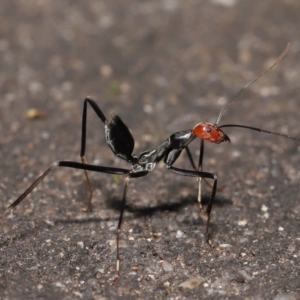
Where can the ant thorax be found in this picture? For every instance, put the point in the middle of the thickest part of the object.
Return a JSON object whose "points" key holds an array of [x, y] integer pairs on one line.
{"points": [[143, 167]]}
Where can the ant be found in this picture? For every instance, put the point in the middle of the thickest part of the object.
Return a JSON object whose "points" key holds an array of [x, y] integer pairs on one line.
{"points": [[121, 142]]}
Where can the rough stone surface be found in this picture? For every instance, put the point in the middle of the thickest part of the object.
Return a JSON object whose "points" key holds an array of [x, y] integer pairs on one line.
{"points": [[163, 66]]}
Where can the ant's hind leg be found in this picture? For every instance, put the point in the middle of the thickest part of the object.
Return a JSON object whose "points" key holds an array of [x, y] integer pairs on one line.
{"points": [[68, 164], [90, 187], [83, 143], [29, 190]]}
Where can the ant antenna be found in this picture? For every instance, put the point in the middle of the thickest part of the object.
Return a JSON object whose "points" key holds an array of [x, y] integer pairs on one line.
{"points": [[252, 81], [261, 130]]}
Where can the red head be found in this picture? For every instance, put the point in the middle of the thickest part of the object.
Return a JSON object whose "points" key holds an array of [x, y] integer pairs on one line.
{"points": [[210, 132]]}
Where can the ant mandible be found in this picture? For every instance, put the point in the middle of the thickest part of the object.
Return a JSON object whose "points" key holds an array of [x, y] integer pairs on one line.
{"points": [[121, 142]]}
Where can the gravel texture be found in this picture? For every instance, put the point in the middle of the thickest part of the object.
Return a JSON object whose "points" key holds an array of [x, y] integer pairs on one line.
{"points": [[162, 66]]}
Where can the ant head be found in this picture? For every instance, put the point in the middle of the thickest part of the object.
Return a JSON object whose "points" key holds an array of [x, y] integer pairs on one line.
{"points": [[210, 132]]}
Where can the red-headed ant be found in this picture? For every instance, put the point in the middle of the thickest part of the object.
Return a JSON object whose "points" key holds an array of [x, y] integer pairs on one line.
{"points": [[121, 142]]}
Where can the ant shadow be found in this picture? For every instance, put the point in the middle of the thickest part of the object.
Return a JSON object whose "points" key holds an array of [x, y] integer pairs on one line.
{"points": [[143, 211], [115, 204]]}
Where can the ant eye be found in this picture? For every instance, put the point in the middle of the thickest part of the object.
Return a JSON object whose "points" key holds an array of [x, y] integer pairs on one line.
{"points": [[207, 129]]}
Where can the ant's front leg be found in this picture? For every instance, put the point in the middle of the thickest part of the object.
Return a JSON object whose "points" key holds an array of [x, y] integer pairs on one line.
{"points": [[200, 179], [83, 141], [200, 163], [200, 174]]}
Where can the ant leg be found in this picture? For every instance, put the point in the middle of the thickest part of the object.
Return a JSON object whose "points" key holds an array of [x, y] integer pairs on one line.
{"points": [[90, 187], [119, 226], [194, 167], [70, 164], [83, 142], [28, 191], [200, 163], [201, 174], [200, 179], [130, 175], [188, 151]]}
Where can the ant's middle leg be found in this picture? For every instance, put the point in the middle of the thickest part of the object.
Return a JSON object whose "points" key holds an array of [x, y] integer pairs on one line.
{"points": [[131, 175]]}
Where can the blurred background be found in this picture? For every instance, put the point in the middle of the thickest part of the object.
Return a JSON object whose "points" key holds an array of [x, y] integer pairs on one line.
{"points": [[162, 66]]}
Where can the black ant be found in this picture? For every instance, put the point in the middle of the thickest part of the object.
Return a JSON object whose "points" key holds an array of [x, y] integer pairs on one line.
{"points": [[121, 142]]}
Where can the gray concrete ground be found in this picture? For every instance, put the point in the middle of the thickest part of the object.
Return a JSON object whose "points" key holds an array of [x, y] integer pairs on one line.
{"points": [[163, 66]]}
